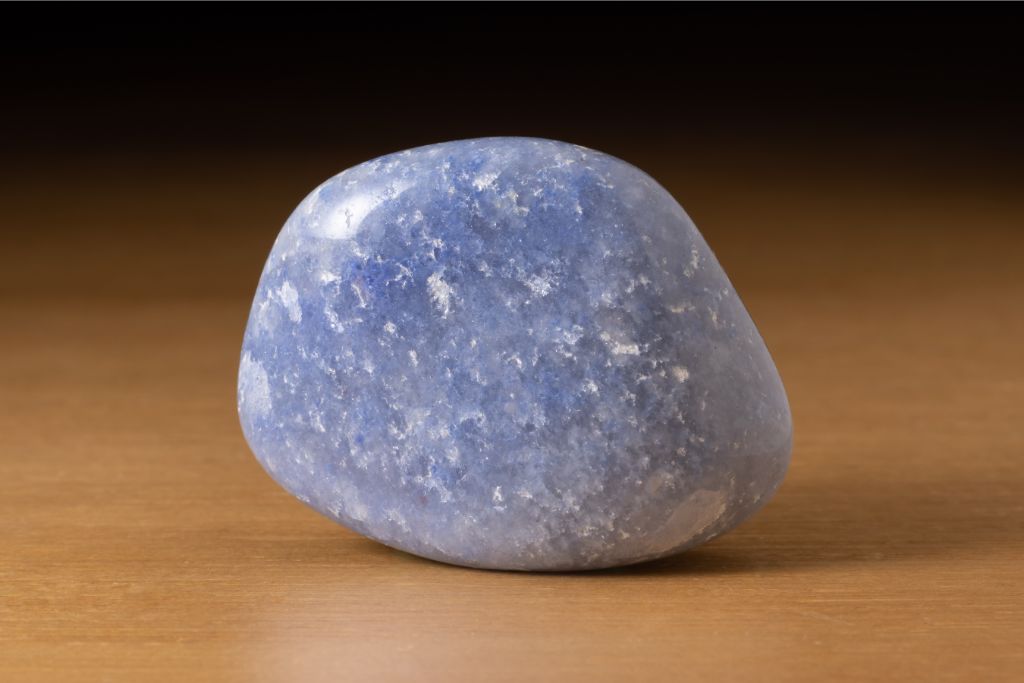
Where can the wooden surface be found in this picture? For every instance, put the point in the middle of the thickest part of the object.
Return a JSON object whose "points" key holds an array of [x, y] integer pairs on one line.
{"points": [[140, 541]]}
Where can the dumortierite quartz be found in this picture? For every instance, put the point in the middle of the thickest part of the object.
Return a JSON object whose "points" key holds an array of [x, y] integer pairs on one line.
{"points": [[509, 353]]}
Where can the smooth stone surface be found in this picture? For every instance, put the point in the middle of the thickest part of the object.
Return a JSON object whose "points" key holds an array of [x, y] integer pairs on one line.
{"points": [[510, 353]]}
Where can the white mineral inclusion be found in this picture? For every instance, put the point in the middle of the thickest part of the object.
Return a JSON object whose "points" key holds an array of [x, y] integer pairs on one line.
{"points": [[510, 353]]}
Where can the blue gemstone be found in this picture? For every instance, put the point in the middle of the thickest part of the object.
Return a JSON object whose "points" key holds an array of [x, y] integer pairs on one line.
{"points": [[510, 353]]}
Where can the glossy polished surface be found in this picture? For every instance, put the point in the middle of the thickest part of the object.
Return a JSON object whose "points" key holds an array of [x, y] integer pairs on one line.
{"points": [[510, 353], [140, 541]]}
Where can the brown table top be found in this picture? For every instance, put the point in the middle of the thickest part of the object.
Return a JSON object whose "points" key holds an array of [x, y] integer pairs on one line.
{"points": [[140, 540]]}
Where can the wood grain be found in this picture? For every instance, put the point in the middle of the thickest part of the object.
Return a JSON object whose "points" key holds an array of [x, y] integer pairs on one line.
{"points": [[139, 539]]}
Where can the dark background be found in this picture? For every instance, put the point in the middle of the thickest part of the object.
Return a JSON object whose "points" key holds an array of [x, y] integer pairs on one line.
{"points": [[927, 78]]}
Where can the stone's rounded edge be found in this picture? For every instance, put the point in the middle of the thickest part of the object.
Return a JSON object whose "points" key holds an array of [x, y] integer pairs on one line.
{"points": [[783, 458], [542, 568], [422, 149], [248, 406]]}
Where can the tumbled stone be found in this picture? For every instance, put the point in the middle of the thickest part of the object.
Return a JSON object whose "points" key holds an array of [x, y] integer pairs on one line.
{"points": [[509, 353]]}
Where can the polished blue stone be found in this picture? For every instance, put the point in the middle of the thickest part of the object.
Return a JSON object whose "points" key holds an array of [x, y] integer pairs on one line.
{"points": [[509, 353]]}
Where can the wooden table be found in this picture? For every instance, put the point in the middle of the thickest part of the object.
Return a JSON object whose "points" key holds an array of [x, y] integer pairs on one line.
{"points": [[140, 540]]}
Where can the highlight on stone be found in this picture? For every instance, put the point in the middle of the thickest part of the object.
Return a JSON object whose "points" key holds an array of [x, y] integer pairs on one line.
{"points": [[510, 353]]}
